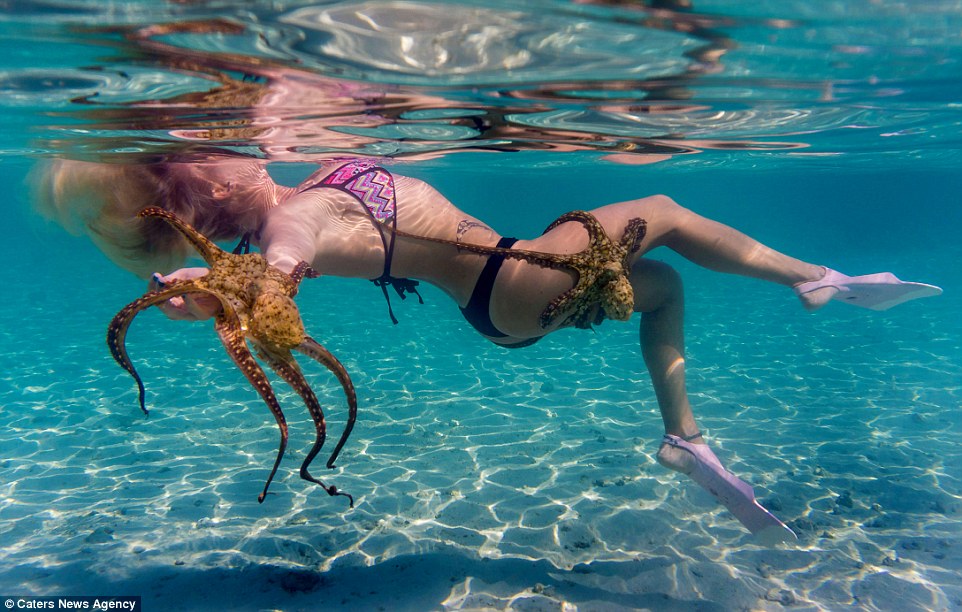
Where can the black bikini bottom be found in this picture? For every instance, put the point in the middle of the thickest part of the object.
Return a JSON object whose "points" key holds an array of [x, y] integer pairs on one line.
{"points": [[477, 310]]}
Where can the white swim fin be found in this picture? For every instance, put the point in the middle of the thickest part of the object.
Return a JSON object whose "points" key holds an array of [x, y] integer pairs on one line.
{"points": [[734, 493], [875, 291]]}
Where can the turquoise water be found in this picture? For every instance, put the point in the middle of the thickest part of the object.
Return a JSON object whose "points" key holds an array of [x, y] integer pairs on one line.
{"points": [[484, 478]]}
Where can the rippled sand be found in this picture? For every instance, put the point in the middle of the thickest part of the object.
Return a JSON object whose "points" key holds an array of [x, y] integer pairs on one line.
{"points": [[484, 478]]}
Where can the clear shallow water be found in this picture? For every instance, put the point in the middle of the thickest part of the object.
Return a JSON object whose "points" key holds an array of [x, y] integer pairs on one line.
{"points": [[487, 478]]}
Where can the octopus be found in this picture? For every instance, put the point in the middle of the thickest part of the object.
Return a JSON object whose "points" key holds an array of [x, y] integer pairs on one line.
{"points": [[257, 307], [602, 269]]}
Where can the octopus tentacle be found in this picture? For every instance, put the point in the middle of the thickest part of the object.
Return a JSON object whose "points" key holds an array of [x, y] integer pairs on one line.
{"points": [[315, 351], [228, 329], [205, 247], [287, 368], [601, 269], [257, 306], [117, 330], [551, 310], [634, 234], [547, 260], [300, 271], [585, 218]]}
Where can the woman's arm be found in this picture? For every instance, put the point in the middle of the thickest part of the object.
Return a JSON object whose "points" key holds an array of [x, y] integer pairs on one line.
{"points": [[328, 230], [315, 226], [292, 232]]}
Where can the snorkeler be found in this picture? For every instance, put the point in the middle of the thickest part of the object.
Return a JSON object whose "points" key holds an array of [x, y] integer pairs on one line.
{"points": [[357, 219]]}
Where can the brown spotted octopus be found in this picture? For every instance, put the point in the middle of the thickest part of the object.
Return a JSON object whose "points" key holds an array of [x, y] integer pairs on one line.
{"points": [[257, 307], [602, 268]]}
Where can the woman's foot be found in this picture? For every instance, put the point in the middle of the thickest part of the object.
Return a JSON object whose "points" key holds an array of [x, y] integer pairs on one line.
{"points": [[701, 465], [674, 458], [815, 293], [874, 291]]}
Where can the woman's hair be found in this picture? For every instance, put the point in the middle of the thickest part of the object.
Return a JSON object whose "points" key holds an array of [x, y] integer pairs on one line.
{"points": [[102, 200]]}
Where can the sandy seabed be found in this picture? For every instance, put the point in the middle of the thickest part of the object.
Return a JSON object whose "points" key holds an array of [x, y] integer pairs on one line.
{"points": [[484, 478]]}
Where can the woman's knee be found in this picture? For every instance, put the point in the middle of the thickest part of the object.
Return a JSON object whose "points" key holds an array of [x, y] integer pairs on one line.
{"points": [[665, 218], [656, 285], [663, 201], [671, 215]]}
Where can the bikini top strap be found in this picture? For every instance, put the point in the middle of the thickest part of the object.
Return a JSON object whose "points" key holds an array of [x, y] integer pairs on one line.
{"points": [[401, 285], [373, 187], [244, 246]]}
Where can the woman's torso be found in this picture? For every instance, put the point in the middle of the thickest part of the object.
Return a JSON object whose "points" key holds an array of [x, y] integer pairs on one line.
{"points": [[351, 245]]}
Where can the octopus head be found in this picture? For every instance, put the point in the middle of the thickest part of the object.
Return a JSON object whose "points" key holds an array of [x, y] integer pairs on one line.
{"points": [[618, 298], [275, 321]]}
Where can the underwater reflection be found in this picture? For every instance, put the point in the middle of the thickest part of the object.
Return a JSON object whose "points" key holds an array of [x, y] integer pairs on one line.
{"points": [[325, 82]]}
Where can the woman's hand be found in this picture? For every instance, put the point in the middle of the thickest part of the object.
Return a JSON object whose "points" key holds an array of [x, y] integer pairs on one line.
{"points": [[187, 307]]}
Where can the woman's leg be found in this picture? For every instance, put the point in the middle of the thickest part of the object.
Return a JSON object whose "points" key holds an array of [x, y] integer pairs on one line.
{"points": [[718, 247], [660, 299], [713, 245], [659, 296]]}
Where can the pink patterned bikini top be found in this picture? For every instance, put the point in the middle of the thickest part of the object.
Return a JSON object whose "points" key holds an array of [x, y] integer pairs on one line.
{"points": [[373, 187], [370, 185]]}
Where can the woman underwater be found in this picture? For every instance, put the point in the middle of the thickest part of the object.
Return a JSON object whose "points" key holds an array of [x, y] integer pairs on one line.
{"points": [[357, 219]]}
